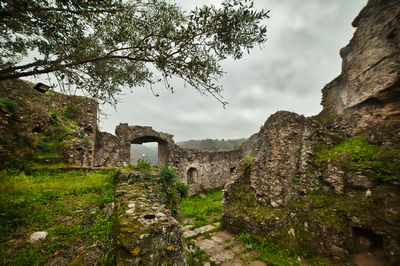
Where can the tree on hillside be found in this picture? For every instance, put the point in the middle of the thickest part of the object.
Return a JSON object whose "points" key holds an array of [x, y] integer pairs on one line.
{"points": [[102, 46]]}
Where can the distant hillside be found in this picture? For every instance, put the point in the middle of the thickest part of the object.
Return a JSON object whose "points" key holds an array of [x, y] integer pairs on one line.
{"points": [[212, 144], [137, 152]]}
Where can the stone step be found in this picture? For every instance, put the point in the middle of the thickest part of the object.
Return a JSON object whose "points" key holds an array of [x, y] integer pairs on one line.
{"points": [[201, 230]]}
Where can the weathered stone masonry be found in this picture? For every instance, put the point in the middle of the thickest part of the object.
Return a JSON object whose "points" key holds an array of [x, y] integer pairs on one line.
{"points": [[201, 170], [284, 195]]}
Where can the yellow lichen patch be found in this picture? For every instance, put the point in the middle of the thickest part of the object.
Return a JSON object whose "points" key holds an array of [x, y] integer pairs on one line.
{"points": [[170, 248], [136, 251]]}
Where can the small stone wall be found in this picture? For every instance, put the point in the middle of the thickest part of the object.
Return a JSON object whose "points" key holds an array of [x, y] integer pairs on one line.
{"points": [[84, 111], [146, 233], [108, 151]]}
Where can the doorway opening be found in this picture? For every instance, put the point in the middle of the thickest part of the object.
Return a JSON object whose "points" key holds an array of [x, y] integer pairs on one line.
{"points": [[154, 150], [147, 151]]}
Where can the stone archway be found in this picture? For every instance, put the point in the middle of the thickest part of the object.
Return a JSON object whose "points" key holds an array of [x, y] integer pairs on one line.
{"points": [[128, 135], [192, 176]]}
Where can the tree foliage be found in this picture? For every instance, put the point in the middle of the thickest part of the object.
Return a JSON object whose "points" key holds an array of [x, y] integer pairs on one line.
{"points": [[102, 46]]}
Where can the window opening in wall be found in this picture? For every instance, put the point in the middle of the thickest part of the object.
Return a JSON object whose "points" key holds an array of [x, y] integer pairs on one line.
{"points": [[192, 175], [147, 151]]}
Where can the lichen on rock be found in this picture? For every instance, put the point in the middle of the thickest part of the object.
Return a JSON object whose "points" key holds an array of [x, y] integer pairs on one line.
{"points": [[147, 233]]}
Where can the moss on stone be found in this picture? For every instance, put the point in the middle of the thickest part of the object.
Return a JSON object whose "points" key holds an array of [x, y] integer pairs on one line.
{"points": [[358, 155], [309, 225]]}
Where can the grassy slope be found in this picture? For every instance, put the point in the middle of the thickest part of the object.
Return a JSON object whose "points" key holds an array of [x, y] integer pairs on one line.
{"points": [[68, 205]]}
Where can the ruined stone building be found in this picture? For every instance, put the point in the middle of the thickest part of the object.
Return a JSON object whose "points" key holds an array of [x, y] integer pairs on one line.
{"points": [[201, 170], [324, 184]]}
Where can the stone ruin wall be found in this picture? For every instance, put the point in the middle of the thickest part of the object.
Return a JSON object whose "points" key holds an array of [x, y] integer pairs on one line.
{"points": [[204, 170], [365, 97], [37, 116], [86, 116], [201, 170], [363, 100]]}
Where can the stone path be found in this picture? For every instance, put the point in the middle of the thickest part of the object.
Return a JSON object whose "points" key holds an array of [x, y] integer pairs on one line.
{"points": [[220, 246]]}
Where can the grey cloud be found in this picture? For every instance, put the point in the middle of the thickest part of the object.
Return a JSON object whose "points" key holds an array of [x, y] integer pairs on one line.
{"points": [[299, 58]]}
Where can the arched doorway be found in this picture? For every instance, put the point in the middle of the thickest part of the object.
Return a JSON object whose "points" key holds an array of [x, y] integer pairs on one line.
{"points": [[192, 176]]}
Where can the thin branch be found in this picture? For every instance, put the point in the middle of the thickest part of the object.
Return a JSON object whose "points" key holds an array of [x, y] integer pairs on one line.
{"points": [[9, 13], [63, 66]]}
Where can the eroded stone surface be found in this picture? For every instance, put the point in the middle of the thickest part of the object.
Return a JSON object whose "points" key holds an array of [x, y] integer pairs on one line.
{"points": [[147, 232], [205, 244], [222, 248], [189, 233], [371, 60], [256, 263], [223, 256], [234, 262], [41, 115], [204, 229], [280, 183]]}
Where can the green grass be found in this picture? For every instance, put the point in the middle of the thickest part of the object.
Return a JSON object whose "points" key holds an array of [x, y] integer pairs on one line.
{"points": [[9, 103], [269, 253], [68, 205], [197, 258], [205, 210]]}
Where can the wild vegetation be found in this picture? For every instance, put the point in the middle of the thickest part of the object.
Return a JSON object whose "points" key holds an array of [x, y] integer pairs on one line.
{"points": [[68, 205], [203, 209]]}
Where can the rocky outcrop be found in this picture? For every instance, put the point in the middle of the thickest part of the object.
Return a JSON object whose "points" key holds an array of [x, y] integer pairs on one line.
{"points": [[328, 184], [371, 60], [281, 165]]}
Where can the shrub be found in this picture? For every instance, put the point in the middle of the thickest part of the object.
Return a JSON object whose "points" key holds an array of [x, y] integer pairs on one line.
{"points": [[167, 176], [142, 164], [10, 104], [86, 143], [161, 196], [54, 117], [182, 188]]}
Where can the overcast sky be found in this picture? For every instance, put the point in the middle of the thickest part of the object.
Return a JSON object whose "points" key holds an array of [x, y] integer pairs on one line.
{"points": [[300, 56]]}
